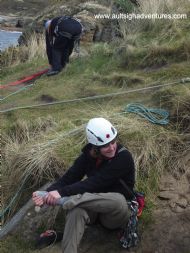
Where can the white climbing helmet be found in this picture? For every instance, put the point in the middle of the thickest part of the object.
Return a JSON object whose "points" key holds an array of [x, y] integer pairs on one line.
{"points": [[100, 131]]}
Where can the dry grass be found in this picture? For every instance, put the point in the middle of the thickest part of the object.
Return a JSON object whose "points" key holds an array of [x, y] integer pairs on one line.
{"points": [[30, 157], [180, 113], [177, 101], [35, 49], [23, 163], [132, 29], [162, 6]]}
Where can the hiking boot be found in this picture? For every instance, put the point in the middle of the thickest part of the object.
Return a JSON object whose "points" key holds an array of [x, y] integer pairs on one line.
{"points": [[48, 238], [52, 72]]}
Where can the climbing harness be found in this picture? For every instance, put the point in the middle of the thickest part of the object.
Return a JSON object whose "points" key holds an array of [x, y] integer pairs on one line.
{"points": [[155, 116]]}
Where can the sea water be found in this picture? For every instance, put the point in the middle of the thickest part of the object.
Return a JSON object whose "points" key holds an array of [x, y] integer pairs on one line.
{"points": [[8, 38]]}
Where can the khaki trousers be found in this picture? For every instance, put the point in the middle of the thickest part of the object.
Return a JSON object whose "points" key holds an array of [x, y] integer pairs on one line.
{"points": [[111, 208]]}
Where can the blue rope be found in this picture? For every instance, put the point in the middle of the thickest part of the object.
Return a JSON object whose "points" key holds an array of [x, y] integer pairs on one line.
{"points": [[156, 116]]}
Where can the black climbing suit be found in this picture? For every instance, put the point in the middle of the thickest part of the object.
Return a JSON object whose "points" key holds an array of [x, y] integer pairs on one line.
{"points": [[60, 38]]}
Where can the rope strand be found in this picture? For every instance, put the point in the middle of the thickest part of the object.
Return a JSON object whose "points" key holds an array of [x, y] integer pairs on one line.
{"points": [[184, 80]]}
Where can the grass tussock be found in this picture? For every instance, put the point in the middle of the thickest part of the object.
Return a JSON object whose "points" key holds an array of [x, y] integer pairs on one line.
{"points": [[178, 103], [34, 49], [23, 131], [162, 6], [160, 55], [155, 42], [121, 80], [25, 164]]}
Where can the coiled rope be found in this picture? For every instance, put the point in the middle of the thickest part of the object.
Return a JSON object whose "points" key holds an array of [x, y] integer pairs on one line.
{"points": [[155, 116]]}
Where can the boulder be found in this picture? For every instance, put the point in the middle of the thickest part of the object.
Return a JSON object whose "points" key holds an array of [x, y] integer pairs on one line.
{"points": [[167, 195]]}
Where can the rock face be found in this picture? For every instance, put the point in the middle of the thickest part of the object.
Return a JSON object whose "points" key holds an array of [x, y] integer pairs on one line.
{"points": [[19, 13], [95, 28], [10, 23]]}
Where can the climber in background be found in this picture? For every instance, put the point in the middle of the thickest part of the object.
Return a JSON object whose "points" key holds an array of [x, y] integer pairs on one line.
{"points": [[61, 35]]}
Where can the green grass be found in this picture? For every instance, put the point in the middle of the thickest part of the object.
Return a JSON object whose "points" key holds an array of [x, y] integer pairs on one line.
{"points": [[15, 244]]}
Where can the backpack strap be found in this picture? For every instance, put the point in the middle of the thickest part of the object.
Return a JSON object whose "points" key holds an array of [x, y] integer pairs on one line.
{"points": [[121, 149], [56, 29], [129, 191]]}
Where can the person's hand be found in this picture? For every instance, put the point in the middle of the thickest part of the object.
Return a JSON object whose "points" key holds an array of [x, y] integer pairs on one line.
{"points": [[38, 201], [52, 197]]}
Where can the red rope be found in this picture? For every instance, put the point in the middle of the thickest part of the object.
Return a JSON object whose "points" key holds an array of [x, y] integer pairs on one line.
{"points": [[25, 79]]}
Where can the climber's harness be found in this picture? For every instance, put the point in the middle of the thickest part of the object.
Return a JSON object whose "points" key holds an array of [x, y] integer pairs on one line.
{"points": [[76, 38]]}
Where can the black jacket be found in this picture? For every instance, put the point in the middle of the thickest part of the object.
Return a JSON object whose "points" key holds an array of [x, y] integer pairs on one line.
{"points": [[70, 27], [99, 178]]}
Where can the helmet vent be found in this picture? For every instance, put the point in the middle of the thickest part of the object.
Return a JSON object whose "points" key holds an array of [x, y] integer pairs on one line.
{"points": [[113, 130], [97, 137]]}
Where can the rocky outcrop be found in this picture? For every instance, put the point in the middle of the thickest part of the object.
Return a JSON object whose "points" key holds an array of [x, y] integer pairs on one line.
{"points": [[95, 29]]}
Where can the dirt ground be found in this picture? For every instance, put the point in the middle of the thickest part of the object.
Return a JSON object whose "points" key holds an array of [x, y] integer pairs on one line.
{"points": [[171, 231]]}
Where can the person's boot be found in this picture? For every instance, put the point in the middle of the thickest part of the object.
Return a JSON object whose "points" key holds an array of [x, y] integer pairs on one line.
{"points": [[48, 238], [52, 72]]}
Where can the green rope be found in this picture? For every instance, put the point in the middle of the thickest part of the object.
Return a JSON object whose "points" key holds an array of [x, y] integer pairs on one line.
{"points": [[12, 201], [156, 116], [16, 92]]}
